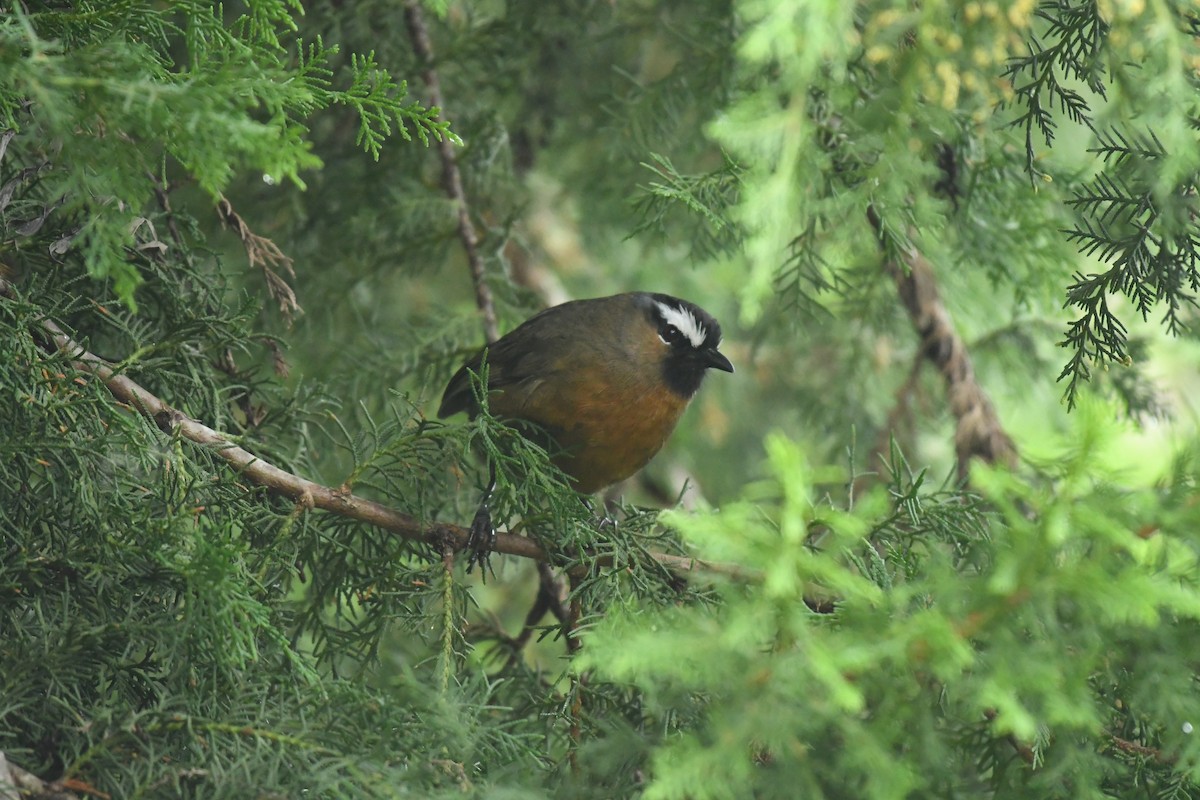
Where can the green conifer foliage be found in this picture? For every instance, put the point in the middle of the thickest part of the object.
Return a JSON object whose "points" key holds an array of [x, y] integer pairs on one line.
{"points": [[937, 537]]}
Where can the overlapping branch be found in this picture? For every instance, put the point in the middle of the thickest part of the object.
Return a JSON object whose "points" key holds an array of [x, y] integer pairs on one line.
{"points": [[978, 431], [451, 177]]}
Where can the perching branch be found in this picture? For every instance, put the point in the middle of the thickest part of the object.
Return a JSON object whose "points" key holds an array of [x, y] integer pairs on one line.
{"points": [[978, 432], [263, 473], [451, 178], [303, 491], [314, 495]]}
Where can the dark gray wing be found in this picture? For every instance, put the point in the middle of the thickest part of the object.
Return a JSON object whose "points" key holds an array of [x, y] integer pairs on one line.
{"points": [[528, 351]]}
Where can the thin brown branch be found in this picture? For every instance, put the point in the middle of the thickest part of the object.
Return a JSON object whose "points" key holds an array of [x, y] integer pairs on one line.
{"points": [[1140, 750], [1133, 748], [452, 183], [263, 473], [163, 193], [541, 604], [551, 596], [266, 255], [978, 432]]}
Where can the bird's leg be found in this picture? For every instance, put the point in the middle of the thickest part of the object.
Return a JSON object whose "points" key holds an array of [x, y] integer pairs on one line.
{"points": [[482, 536], [603, 520]]}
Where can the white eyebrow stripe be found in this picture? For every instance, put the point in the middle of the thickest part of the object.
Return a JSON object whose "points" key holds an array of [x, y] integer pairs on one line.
{"points": [[685, 321]]}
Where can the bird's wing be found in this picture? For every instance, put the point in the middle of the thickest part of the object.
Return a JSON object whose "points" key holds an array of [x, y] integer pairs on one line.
{"points": [[517, 363]]}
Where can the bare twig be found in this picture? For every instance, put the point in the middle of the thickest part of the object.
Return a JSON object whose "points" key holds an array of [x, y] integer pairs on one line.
{"points": [[552, 594], [978, 432], [451, 178], [263, 473], [264, 254]]}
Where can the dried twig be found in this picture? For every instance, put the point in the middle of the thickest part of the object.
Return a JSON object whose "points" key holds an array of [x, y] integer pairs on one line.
{"points": [[263, 473], [978, 432], [552, 594], [266, 255], [451, 178]]}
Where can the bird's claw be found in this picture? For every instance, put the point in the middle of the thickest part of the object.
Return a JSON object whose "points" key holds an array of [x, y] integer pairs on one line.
{"points": [[481, 540]]}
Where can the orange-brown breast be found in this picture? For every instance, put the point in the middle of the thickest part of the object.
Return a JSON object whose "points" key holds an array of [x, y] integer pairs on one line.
{"points": [[609, 422], [606, 405]]}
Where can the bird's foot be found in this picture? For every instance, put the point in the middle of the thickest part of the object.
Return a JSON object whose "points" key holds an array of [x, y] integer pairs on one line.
{"points": [[481, 540], [605, 522], [603, 519]]}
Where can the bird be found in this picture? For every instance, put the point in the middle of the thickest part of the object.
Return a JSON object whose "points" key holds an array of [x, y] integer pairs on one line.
{"points": [[606, 378]]}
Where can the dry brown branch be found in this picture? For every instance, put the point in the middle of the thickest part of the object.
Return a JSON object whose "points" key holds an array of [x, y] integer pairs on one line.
{"points": [[552, 594], [978, 432], [451, 178], [266, 255]]}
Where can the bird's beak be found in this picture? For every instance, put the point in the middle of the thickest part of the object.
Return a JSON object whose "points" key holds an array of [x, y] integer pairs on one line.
{"points": [[714, 359]]}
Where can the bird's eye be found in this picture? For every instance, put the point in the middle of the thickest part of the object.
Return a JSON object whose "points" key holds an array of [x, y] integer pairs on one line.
{"points": [[669, 334]]}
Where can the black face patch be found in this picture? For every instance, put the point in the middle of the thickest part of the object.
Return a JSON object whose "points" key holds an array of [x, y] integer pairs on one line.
{"points": [[690, 331]]}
